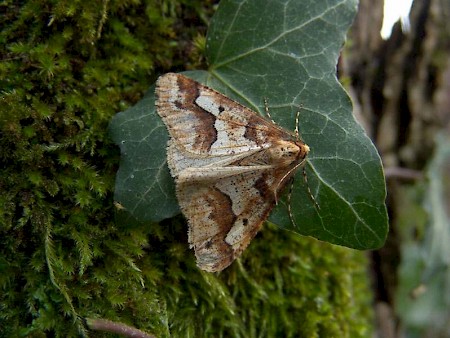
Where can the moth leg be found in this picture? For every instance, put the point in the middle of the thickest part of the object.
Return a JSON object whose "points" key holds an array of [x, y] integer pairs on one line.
{"points": [[289, 203], [311, 196], [305, 178]]}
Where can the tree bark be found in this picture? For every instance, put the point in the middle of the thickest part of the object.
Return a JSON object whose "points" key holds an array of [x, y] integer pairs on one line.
{"points": [[401, 93]]}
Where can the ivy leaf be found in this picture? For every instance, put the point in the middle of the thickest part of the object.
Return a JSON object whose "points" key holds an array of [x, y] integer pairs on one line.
{"points": [[285, 52]]}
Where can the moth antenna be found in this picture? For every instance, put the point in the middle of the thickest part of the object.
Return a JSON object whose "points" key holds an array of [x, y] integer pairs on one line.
{"points": [[266, 110]]}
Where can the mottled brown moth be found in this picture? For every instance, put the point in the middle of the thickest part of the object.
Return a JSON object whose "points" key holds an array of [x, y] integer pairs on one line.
{"points": [[229, 163]]}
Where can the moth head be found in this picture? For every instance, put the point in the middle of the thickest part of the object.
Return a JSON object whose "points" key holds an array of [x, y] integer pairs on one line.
{"points": [[287, 152]]}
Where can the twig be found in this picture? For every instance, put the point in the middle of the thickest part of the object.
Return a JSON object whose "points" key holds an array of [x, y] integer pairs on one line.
{"points": [[403, 173], [118, 328]]}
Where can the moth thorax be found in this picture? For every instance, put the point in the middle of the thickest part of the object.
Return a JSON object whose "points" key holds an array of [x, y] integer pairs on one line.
{"points": [[287, 152]]}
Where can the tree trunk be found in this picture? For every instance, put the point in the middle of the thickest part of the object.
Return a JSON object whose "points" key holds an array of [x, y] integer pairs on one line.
{"points": [[401, 93]]}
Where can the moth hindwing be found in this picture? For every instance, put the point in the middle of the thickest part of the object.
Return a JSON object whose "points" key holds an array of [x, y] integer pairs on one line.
{"points": [[229, 163]]}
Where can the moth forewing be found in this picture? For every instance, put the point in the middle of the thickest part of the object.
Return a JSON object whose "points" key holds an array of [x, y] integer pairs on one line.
{"points": [[229, 164]]}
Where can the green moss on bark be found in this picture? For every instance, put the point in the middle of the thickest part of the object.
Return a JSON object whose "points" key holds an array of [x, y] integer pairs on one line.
{"points": [[66, 69]]}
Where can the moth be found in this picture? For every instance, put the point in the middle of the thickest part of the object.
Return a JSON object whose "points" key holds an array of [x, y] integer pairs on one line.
{"points": [[229, 164]]}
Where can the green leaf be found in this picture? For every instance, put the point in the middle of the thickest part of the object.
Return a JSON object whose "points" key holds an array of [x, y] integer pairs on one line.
{"points": [[144, 186], [285, 52]]}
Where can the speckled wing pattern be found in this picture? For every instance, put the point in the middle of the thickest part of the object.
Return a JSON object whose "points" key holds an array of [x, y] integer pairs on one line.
{"points": [[229, 164]]}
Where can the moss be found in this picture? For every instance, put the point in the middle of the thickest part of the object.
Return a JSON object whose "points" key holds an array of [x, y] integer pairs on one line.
{"points": [[67, 68], [285, 285]]}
